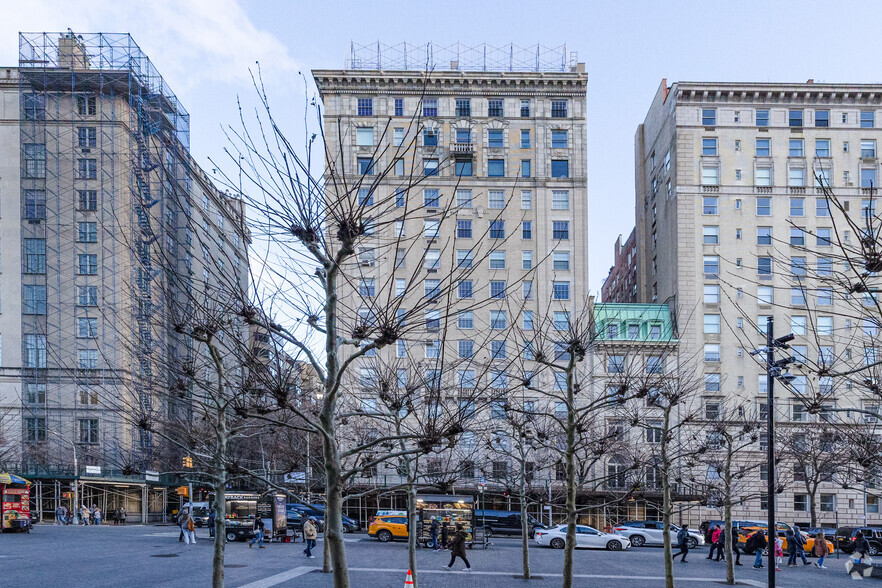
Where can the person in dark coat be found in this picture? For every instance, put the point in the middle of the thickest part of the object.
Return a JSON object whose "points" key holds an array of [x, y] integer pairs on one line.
{"points": [[433, 532], [458, 549], [211, 519], [682, 543], [735, 550], [800, 545], [791, 548], [721, 545], [444, 535]]}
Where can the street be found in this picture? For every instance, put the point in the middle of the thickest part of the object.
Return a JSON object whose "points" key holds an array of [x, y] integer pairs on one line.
{"points": [[152, 556]]}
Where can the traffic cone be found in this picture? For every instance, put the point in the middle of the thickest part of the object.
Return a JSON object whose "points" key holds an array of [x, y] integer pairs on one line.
{"points": [[408, 581]]}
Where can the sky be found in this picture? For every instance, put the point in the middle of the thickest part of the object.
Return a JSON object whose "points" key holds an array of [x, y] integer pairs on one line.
{"points": [[207, 49]]}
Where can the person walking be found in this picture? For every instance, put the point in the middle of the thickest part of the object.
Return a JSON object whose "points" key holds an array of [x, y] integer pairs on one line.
{"points": [[97, 515], [258, 533], [84, 515], [757, 542], [721, 545], [59, 515], [458, 549], [736, 551], [443, 534], [715, 537], [211, 519], [309, 535], [188, 528], [800, 545], [790, 537], [861, 547], [820, 549], [433, 533], [122, 515], [682, 543], [779, 553], [92, 513]]}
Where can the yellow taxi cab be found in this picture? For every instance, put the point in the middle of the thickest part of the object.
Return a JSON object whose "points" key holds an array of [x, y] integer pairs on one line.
{"points": [[388, 526], [782, 533]]}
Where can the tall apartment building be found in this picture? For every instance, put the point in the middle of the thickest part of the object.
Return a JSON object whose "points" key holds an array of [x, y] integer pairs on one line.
{"points": [[108, 226], [620, 284], [501, 145], [729, 217]]}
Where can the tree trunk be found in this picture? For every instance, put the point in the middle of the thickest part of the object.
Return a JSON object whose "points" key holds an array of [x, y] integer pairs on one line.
{"points": [[220, 505], [525, 533], [727, 516], [812, 508], [334, 510], [413, 531], [666, 501], [570, 459]]}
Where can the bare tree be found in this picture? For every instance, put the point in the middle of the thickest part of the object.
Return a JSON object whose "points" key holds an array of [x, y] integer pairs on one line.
{"points": [[818, 457]]}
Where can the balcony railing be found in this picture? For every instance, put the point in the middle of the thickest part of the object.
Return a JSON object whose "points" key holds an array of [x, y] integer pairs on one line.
{"points": [[463, 148]]}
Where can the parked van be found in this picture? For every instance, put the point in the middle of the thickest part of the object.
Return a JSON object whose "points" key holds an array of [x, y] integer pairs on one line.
{"points": [[505, 522]]}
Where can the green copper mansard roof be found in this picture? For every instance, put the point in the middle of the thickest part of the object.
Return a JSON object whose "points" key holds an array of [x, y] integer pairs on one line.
{"points": [[633, 322]]}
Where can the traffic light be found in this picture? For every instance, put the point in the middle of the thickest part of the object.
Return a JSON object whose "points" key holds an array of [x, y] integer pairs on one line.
{"points": [[188, 461]]}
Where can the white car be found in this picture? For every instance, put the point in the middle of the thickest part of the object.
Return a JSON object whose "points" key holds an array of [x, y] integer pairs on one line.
{"points": [[653, 532], [585, 537]]}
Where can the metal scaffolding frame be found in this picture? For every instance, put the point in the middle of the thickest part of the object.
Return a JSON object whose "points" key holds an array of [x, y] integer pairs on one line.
{"points": [[459, 57], [97, 117]]}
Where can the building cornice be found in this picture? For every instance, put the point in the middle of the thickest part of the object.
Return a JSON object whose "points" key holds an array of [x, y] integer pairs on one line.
{"points": [[777, 93], [461, 83]]}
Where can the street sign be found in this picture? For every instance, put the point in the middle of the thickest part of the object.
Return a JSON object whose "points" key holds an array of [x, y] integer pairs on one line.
{"points": [[151, 476], [93, 470], [295, 478], [183, 490], [483, 481]]}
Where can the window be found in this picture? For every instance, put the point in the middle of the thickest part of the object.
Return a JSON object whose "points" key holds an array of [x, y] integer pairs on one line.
{"points": [[497, 289], [561, 260], [497, 229], [796, 148], [464, 258], [822, 207], [711, 352], [463, 136], [822, 118], [868, 177], [464, 198], [497, 260], [710, 175], [558, 109], [463, 107], [87, 295], [526, 260], [762, 176], [36, 429], [526, 199], [496, 168], [615, 364], [764, 207], [525, 168], [431, 288], [364, 136], [430, 107], [560, 290], [35, 204], [398, 137], [35, 256], [712, 324], [762, 118], [764, 235], [709, 205], [709, 117], [399, 107], [711, 266], [868, 148], [527, 288], [365, 107], [525, 108], [494, 108], [87, 264], [87, 200], [560, 200], [87, 359], [87, 328], [430, 138], [366, 287], [560, 230], [559, 139], [87, 169], [796, 177], [828, 501], [798, 325], [797, 266], [711, 235], [795, 118], [797, 297], [497, 350], [797, 207], [764, 266], [366, 166], [561, 320], [526, 230], [34, 299], [431, 228], [825, 326], [498, 320], [494, 138], [560, 168], [797, 236], [430, 167], [432, 259], [825, 266], [525, 138], [464, 289], [868, 119], [35, 160], [825, 296], [711, 294], [822, 147], [709, 147], [654, 364]]}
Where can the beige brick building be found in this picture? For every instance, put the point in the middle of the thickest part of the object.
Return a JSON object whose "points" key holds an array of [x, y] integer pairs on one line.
{"points": [[732, 227]]}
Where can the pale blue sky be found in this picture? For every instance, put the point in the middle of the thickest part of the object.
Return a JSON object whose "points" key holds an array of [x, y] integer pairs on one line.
{"points": [[205, 47]]}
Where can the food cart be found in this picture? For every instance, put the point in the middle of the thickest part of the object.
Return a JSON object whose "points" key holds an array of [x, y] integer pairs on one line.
{"points": [[242, 508], [273, 510], [15, 506], [448, 510]]}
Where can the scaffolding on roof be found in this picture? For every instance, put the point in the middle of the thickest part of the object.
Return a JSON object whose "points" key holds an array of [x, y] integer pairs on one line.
{"points": [[460, 57]]}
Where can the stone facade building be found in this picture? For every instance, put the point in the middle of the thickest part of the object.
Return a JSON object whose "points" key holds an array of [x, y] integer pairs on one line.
{"points": [[621, 283]]}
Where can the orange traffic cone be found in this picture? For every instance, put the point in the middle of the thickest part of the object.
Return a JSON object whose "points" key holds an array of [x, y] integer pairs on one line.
{"points": [[408, 581]]}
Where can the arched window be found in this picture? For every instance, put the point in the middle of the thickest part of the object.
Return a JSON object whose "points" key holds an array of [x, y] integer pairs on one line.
{"points": [[615, 470]]}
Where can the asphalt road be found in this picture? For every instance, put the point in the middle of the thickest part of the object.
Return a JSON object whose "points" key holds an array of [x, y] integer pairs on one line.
{"points": [[139, 556]]}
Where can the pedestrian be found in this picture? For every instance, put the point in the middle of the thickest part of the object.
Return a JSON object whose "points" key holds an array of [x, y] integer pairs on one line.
{"points": [[188, 528], [790, 537], [458, 549], [682, 543], [800, 545], [84, 515], [309, 535], [715, 537], [97, 516], [820, 549], [861, 547], [778, 553], [433, 532], [443, 534], [122, 515], [59, 515], [735, 549], [180, 521], [258, 533], [721, 544], [757, 542], [92, 513], [211, 519]]}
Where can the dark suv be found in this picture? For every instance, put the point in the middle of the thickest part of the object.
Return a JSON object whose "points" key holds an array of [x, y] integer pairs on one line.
{"points": [[505, 522], [846, 537]]}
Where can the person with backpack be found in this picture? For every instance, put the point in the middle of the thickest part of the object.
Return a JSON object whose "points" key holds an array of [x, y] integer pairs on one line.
{"points": [[258, 534], [800, 545], [757, 542], [682, 543]]}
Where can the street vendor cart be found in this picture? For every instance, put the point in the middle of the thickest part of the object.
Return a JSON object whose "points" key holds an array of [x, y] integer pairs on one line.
{"points": [[448, 510], [15, 506]]}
